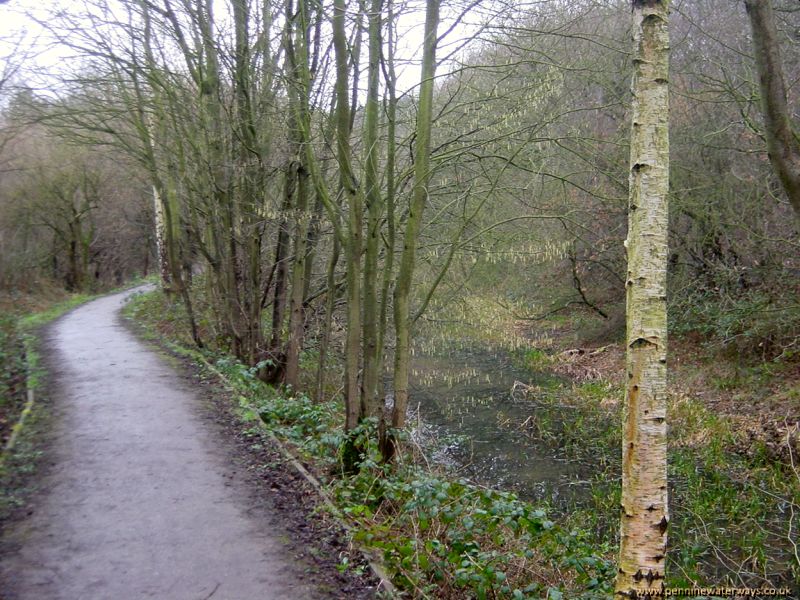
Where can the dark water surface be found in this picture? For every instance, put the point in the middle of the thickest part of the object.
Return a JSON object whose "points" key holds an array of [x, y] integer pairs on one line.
{"points": [[468, 411]]}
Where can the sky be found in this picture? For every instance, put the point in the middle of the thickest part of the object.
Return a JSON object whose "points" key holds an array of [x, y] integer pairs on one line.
{"points": [[18, 22], [23, 45]]}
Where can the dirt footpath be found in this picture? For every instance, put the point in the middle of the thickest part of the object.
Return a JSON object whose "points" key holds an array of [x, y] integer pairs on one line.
{"points": [[139, 500]]}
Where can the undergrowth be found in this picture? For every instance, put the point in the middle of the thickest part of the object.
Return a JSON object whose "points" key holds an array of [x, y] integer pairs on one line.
{"points": [[752, 325], [734, 507], [13, 375]]}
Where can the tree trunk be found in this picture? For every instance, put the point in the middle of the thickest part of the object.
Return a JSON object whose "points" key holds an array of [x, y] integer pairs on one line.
{"points": [[354, 216], [249, 189], [172, 223], [369, 394], [297, 46], [391, 151], [297, 50], [221, 220], [402, 294], [72, 279], [644, 517], [296, 312], [162, 251], [330, 302], [782, 144], [281, 258]]}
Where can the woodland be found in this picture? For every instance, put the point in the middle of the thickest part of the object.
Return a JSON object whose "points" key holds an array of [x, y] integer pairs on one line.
{"points": [[326, 192]]}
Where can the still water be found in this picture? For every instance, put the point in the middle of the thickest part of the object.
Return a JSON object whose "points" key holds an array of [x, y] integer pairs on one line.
{"points": [[466, 410]]}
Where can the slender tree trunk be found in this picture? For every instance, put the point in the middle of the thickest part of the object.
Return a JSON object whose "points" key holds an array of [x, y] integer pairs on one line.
{"points": [[172, 218], [162, 250], [391, 151], [281, 258], [354, 217], [422, 166], [171, 212], [295, 193], [296, 312], [85, 243], [312, 239], [146, 258], [644, 517], [297, 46], [250, 184], [355, 59], [73, 279], [369, 395], [782, 142], [330, 303], [147, 132], [222, 218]]}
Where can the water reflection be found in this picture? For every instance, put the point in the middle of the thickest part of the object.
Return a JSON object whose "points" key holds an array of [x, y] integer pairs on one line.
{"points": [[467, 411]]}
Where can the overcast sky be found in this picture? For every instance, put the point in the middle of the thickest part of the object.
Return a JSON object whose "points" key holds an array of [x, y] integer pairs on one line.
{"points": [[19, 30]]}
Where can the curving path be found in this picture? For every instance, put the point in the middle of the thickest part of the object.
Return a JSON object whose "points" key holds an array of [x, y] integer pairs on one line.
{"points": [[139, 502]]}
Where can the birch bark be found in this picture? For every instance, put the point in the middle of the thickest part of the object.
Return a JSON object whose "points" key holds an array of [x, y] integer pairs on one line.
{"points": [[644, 518]]}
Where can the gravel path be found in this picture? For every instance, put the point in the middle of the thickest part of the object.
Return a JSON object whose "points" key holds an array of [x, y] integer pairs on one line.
{"points": [[139, 501]]}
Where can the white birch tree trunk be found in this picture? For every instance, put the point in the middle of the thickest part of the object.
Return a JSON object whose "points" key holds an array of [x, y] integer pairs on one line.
{"points": [[644, 518], [161, 241]]}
